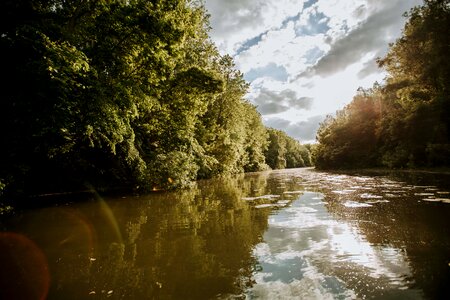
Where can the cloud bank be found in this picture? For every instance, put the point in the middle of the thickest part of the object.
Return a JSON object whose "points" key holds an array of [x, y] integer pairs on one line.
{"points": [[306, 59], [304, 131]]}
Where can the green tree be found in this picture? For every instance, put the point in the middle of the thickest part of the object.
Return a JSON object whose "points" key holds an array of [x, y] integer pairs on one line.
{"points": [[350, 139], [285, 152], [223, 128], [256, 140], [405, 122], [419, 73], [101, 91], [275, 154], [123, 94]]}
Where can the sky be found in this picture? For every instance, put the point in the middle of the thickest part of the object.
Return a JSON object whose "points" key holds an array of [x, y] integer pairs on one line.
{"points": [[305, 59]]}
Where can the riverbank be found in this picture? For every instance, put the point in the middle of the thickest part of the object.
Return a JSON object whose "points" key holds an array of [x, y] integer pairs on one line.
{"points": [[65, 198], [439, 170]]}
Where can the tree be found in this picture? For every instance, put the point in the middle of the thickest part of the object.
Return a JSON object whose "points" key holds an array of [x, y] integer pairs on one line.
{"points": [[256, 140], [285, 152], [350, 139], [406, 121], [122, 94], [418, 83], [92, 87]]}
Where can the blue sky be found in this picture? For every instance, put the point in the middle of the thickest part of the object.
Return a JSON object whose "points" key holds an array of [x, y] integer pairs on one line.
{"points": [[306, 59]]}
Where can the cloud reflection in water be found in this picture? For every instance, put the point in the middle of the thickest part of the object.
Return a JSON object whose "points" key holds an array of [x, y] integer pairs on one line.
{"points": [[308, 254]]}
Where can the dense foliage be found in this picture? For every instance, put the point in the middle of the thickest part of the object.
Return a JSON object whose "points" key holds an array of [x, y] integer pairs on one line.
{"points": [[286, 152], [127, 94], [406, 121]]}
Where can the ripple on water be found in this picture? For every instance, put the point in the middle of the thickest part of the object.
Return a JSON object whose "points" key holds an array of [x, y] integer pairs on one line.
{"points": [[323, 247], [293, 192], [267, 197], [423, 194], [283, 202], [443, 200], [353, 204], [423, 186], [343, 192], [265, 205], [370, 196], [431, 200], [387, 195], [378, 201]]}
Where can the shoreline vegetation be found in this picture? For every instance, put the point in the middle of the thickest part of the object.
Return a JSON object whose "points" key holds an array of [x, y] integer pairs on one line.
{"points": [[128, 95], [404, 122], [133, 95], [431, 170], [42, 200]]}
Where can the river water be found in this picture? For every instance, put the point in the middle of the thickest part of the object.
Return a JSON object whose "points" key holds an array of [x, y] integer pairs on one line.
{"points": [[291, 234]]}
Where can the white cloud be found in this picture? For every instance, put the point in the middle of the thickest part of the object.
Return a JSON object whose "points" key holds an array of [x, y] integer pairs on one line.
{"points": [[304, 131], [328, 93], [305, 63], [301, 236], [325, 96], [283, 48], [272, 102], [235, 21], [371, 35]]}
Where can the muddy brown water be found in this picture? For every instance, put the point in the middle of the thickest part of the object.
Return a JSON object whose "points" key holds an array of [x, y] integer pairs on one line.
{"points": [[290, 234]]}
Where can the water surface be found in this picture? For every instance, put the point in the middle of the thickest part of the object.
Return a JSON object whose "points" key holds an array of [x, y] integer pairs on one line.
{"points": [[292, 234]]}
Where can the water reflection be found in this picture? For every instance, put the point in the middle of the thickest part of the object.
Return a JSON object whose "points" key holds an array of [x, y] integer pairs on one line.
{"points": [[193, 244], [308, 253], [271, 235], [343, 239]]}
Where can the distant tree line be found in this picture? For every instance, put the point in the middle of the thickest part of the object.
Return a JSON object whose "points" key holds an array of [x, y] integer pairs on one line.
{"points": [[126, 94], [286, 152], [404, 123]]}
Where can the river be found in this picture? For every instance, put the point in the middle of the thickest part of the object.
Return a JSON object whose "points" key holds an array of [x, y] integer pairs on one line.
{"points": [[290, 234]]}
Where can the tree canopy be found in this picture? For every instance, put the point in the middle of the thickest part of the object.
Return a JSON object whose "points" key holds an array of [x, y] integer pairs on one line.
{"points": [[404, 122], [125, 94], [286, 152]]}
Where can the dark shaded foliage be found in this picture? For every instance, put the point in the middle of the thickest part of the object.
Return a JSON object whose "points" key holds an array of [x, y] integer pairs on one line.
{"points": [[119, 94]]}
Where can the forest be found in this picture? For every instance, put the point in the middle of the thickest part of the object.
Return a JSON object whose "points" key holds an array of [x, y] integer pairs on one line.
{"points": [[404, 122], [113, 94]]}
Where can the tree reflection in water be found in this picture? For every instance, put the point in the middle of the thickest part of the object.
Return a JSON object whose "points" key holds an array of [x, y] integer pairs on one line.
{"points": [[191, 244], [292, 233]]}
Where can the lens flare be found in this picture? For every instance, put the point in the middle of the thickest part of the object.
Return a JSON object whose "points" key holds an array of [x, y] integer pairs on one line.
{"points": [[24, 272]]}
